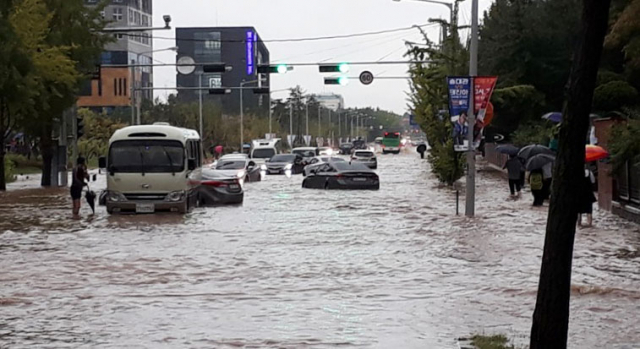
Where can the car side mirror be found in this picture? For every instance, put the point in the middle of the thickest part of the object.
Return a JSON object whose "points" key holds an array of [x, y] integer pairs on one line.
{"points": [[102, 162], [112, 170], [191, 164]]}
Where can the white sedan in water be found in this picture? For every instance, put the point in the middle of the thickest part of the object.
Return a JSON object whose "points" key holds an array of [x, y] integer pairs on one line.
{"points": [[319, 160]]}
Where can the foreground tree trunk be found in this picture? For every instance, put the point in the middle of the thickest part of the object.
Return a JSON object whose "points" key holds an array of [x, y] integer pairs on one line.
{"points": [[3, 184], [551, 316]]}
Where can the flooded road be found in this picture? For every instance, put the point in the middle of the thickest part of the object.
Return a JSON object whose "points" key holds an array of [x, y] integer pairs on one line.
{"points": [[294, 268]]}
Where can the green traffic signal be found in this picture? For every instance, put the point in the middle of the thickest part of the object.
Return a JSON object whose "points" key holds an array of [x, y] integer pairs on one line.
{"points": [[282, 68], [334, 68], [342, 80]]}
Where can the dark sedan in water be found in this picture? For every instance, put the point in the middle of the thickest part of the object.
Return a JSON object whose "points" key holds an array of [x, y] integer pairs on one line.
{"points": [[285, 164], [217, 187], [342, 175]]}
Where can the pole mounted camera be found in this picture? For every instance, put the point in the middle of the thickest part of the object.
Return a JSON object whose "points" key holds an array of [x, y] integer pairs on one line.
{"points": [[167, 21]]}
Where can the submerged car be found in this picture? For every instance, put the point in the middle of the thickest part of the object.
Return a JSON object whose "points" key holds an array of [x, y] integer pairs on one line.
{"points": [[218, 187], [241, 168], [342, 175], [346, 148], [365, 157], [284, 164], [318, 160], [307, 153]]}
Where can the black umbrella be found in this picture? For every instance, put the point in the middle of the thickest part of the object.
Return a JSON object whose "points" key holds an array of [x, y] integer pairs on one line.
{"points": [[507, 149], [536, 162], [90, 195], [531, 150]]}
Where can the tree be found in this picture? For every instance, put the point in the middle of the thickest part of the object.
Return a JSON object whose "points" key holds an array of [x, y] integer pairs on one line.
{"points": [[551, 316], [64, 39], [15, 64], [428, 100]]}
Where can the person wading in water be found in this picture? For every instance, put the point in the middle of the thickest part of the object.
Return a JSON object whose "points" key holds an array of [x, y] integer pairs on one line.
{"points": [[79, 175]]}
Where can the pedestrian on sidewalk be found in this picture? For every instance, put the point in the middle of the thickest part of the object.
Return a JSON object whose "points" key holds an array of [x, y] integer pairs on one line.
{"points": [[587, 198], [547, 179], [515, 170], [78, 177], [536, 183]]}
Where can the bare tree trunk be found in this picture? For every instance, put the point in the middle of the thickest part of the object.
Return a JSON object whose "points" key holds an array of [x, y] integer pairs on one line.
{"points": [[551, 316]]}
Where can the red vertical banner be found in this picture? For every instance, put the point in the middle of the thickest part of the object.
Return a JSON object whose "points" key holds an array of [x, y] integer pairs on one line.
{"points": [[483, 89]]}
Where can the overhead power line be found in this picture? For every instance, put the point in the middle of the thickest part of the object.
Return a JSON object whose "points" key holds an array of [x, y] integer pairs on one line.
{"points": [[317, 38]]}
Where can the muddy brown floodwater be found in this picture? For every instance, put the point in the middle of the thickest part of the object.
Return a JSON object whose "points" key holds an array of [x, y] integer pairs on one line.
{"points": [[294, 268]]}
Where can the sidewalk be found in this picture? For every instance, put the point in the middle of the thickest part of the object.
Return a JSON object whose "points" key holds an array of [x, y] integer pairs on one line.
{"points": [[32, 181]]}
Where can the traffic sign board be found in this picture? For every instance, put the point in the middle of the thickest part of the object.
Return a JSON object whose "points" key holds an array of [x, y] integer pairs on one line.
{"points": [[366, 77]]}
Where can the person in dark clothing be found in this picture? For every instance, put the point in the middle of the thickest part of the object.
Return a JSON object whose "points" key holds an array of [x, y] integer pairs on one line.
{"points": [[547, 179], [78, 177], [587, 198], [514, 169], [537, 187]]}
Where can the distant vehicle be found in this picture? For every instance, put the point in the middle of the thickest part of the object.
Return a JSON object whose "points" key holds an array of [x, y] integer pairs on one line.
{"points": [[307, 153], [342, 175], [346, 148], [284, 164], [378, 140], [152, 168], [243, 169], [359, 144], [318, 160], [391, 143], [234, 156], [366, 157], [217, 188], [263, 149], [324, 151]]}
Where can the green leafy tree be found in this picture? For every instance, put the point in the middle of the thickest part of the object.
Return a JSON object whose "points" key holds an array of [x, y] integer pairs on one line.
{"points": [[15, 65], [614, 96], [428, 98], [64, 39]]}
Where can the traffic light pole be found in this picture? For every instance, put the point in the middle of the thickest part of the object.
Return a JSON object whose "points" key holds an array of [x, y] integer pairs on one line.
{"points": [[470, 204]]}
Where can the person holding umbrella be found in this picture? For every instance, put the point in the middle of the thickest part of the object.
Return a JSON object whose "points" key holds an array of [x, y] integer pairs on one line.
{"points": [[587, 198], [514, 169], [535, 165], [78, 177]]}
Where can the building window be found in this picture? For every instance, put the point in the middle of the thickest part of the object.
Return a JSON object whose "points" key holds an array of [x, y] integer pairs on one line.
{"points": [[124, 91], [117, 14], [145, 20], [208, 45], [138, 19], [131, 16]]}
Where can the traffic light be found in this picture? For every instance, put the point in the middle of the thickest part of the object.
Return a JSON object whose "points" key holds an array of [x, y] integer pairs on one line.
{"points": [[274, 69], [342, 80], [219, 91], [79, 128], [334, 68], [216, 68], [261, 90]]}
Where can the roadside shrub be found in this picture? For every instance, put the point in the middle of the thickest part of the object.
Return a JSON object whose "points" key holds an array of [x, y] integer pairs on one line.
{"points": [[8, 171], [613, 96], [21, 161]]}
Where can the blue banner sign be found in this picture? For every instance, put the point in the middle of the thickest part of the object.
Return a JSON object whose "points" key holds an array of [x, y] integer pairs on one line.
{"points": [[459, 94], [251, 41]]}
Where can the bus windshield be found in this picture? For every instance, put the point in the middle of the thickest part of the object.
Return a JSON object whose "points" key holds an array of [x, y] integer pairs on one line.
{"points": [[146, 156]]}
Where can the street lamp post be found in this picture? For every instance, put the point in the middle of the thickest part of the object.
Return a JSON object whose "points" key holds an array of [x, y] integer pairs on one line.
{"points": [[307, 115], [470, 206], [242, 113]]}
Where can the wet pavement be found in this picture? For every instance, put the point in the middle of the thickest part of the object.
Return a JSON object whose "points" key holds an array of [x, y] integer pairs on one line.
{"points": [[294, 268]]}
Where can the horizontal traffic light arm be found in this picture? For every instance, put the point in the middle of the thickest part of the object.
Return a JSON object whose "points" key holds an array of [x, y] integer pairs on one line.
{"points": [[274, 69]]}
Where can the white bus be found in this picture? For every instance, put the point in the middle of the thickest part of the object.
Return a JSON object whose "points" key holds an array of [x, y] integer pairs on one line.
{"points": [[153, 168]]}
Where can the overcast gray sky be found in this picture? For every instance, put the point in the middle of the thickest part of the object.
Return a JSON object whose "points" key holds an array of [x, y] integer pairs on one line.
{"points": [[284, 19]]}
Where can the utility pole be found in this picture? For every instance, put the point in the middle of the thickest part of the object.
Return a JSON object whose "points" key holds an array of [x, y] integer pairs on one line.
{"points": [[307, 129], [471, 154], [291, 119], [133, 92], [270, 112], [339, 127], [319, 120], [200, 112]]}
